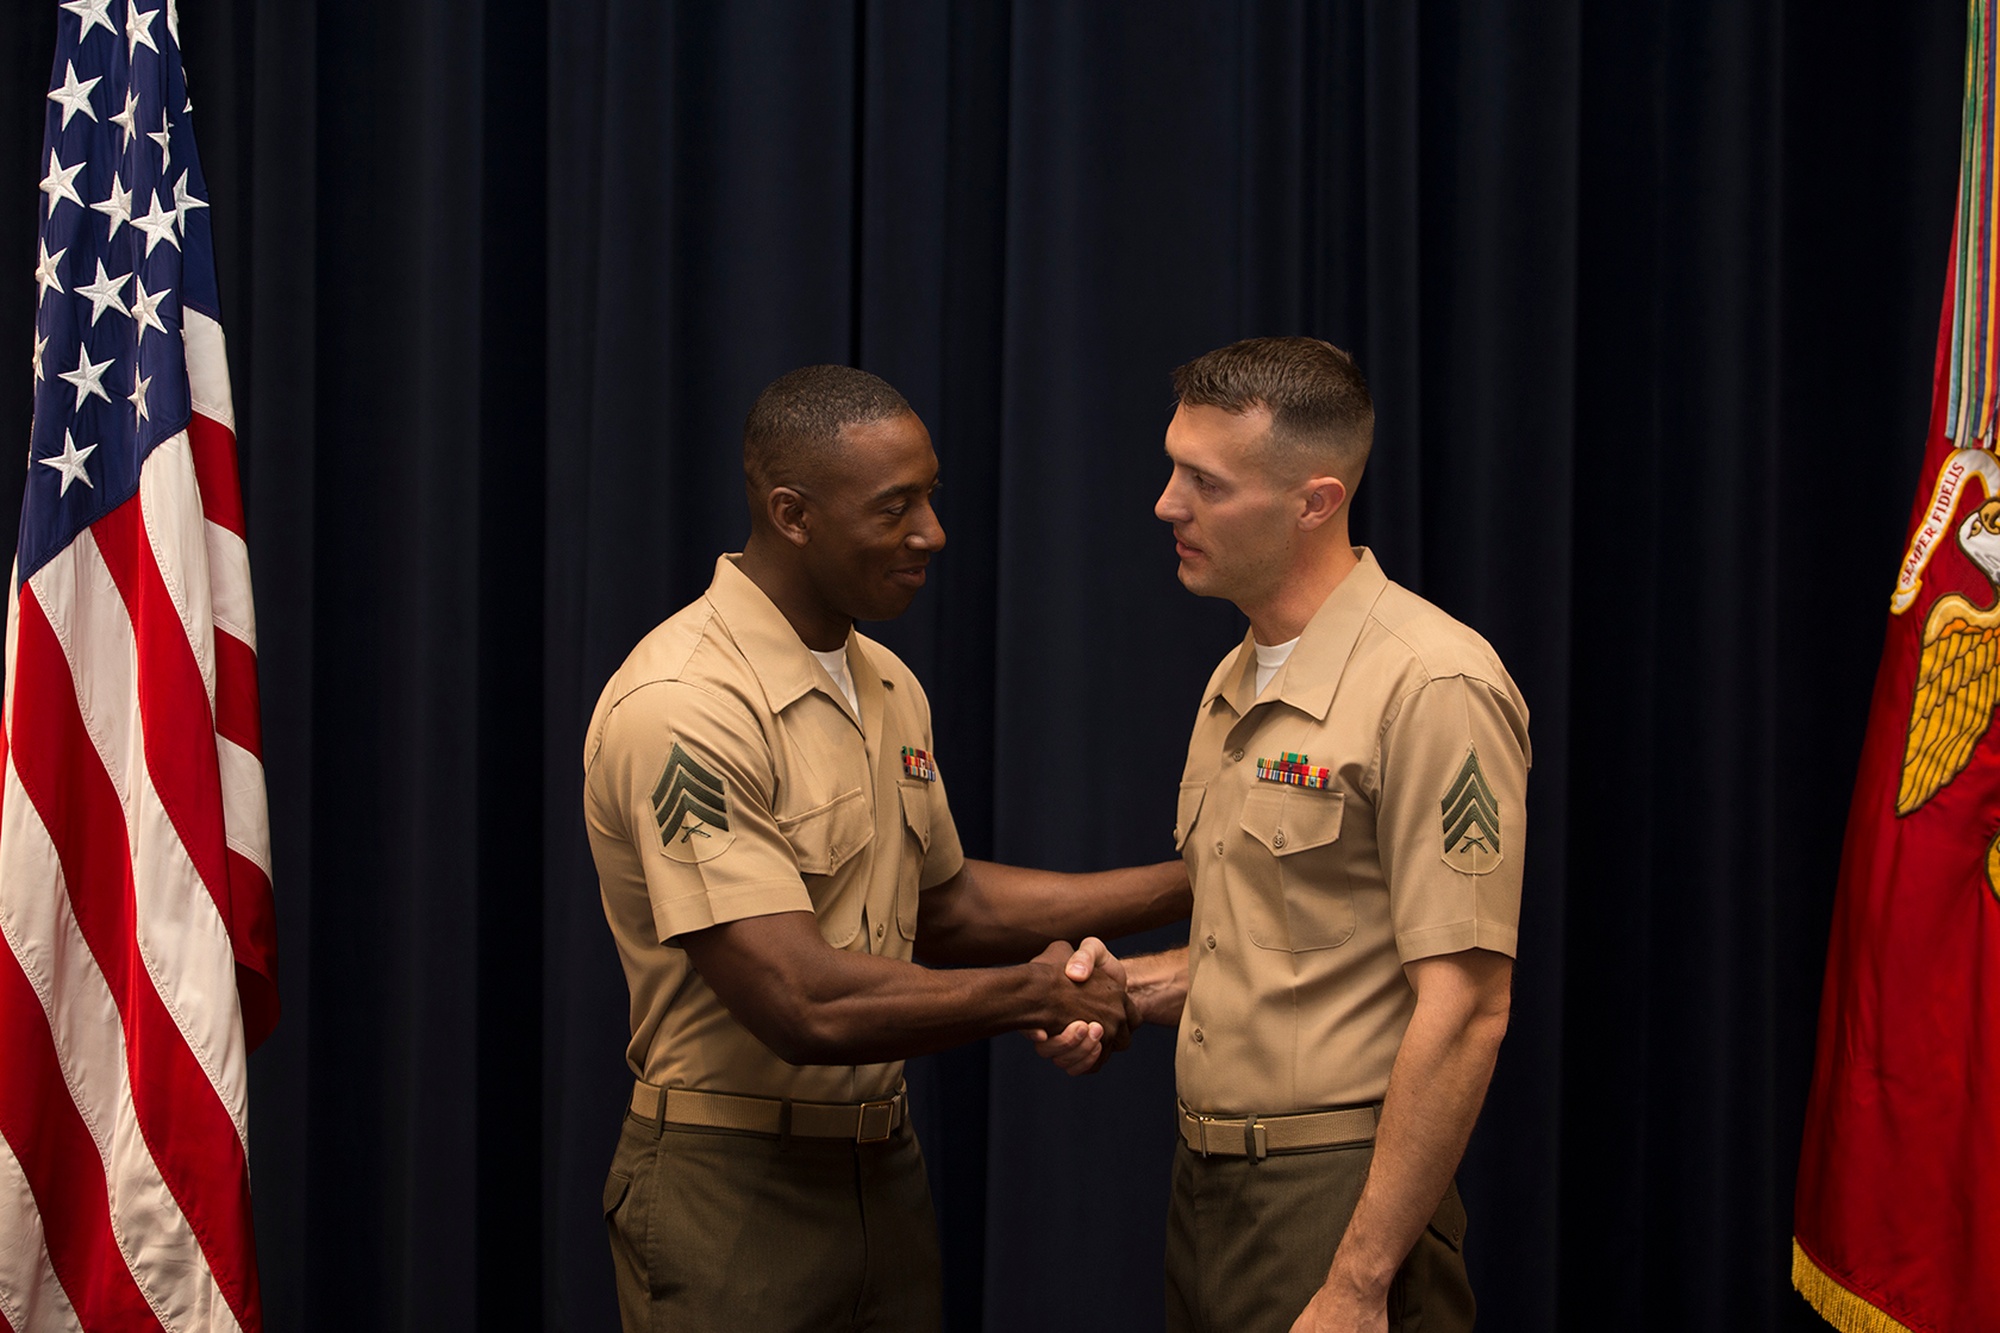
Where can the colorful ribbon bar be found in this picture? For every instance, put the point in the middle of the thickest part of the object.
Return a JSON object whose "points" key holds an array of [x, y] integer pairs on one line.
{"points": [[918, 764], [1294, 771]]}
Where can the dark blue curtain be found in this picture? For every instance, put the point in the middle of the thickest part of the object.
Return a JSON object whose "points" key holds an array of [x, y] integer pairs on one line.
{"points": [[1647, 295]]}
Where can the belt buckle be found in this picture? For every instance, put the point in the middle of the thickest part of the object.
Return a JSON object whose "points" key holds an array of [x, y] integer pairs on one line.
{"points": [[861, 1124], [1201, 1130]]}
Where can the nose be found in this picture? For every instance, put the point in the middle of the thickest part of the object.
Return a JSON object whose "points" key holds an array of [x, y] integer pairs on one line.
{"points": [[928, 534], [1169, 508]]}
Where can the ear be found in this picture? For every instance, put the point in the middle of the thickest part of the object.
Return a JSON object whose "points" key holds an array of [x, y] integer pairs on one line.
{"points": [[789, 514], [1324, 497]]}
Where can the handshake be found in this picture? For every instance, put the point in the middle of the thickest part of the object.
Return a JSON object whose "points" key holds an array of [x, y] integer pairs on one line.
{"points": [[1092, 1010]]}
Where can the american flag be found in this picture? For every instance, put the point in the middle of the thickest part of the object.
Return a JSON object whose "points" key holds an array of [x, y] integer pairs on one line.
{"points": [[135, 895]]}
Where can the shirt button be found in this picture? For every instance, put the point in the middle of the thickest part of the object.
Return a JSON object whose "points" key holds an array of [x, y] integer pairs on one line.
{"points": [[880, 930], [1218, 846], [1278, 838], [1197, 1036], [1211, 941], [1236, 756], [833, 852]]}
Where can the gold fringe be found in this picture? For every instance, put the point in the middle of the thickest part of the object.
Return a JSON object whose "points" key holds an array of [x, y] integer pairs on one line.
{"points": [[1835, 1303]]}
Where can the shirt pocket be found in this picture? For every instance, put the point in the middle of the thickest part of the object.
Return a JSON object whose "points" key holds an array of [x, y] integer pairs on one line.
{"points": [[1187, 811], [824, 840], [1296, 876], [916, 796]]}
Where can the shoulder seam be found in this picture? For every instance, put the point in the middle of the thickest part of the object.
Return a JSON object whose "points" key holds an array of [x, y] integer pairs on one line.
{"points": [[617, 703], [1423, 660], [1373, 783], [695, 639]]}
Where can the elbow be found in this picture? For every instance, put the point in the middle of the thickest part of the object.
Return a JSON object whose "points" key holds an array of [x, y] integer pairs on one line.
{"points": [[791, 1046], [1464, 1001], [783, 1015], [811, 1044], [1488, 1021], [808, 1030], [786, 1041]]}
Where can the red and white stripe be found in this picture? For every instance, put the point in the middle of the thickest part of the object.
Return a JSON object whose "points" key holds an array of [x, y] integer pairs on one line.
{"points": [[135, 903]]}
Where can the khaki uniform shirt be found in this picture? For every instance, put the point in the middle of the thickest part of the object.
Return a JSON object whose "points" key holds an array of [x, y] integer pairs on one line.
{"points": [[1386, 827], [725, 776]]}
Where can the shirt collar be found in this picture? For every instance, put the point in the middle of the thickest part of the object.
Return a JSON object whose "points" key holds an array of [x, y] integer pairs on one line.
{"points": [[1310, 675], [783, 664]]}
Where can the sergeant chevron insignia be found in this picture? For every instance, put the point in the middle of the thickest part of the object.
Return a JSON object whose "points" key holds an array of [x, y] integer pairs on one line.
{"points": [[1471, 820], [688, 801]]}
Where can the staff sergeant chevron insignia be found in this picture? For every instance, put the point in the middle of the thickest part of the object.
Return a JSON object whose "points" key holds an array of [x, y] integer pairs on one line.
{"points": [[1471, 820], [688, 802]]}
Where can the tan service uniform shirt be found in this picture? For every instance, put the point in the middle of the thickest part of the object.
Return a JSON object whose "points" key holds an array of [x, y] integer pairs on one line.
{"points": [[1308, 900], [725, 776]]}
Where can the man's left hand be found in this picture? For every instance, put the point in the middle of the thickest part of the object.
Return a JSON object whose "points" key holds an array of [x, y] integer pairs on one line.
{"points": [[1337, 1309], [1077, 1049]]}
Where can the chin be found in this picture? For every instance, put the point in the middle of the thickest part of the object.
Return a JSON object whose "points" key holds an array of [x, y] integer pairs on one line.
{"points": [[887, 609], [1195, 583]]}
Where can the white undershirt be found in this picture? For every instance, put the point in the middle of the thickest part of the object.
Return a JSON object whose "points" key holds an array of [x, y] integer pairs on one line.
{"points": [[1269, 658], [835, 663]]}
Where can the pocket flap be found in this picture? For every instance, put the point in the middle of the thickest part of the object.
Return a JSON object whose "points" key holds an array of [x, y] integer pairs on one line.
{"points": [[826, 837], [1188, 810], [1288, 820], [615, 1188], [917, 809], [1449, 1220]]}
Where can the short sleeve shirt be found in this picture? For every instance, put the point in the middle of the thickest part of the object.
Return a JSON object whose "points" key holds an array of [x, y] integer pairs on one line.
{"points": [[726, 776], [1365, 811]]}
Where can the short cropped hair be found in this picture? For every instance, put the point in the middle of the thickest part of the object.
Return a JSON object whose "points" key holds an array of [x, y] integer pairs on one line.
{"points": [[1321, 414], [794, 426]]}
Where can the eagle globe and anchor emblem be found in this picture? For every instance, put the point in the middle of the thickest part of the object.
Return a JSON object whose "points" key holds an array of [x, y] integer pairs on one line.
{"points": [[1958, 672]]}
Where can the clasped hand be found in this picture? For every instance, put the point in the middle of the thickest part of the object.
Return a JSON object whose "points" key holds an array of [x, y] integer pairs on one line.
{"points": [[1098, 979]]}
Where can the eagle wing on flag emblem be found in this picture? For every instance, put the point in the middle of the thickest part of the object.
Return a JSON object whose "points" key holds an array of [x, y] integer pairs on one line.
{"points": [[1958, 676], [1958, 682]]}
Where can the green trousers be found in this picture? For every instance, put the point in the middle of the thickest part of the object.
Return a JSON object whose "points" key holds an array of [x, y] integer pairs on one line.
{"points": [[1248, 1243], [714, 1229]]}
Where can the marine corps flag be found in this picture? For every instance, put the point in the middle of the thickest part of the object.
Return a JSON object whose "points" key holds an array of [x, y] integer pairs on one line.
{"points": [[1897, 1220]]}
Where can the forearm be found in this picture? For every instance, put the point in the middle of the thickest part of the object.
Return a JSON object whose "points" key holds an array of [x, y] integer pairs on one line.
{"points": [[997, 913], [1435, 1091], [1157, 983], [859, 1009], [813, 1004]]}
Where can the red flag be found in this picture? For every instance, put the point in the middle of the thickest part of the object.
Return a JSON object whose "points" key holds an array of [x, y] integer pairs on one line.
{"points": [[135, 901], [1897, 1220]]}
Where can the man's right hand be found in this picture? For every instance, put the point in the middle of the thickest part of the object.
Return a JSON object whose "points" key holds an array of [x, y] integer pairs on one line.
{"points": [[1093, 975], [1155, 984]]}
